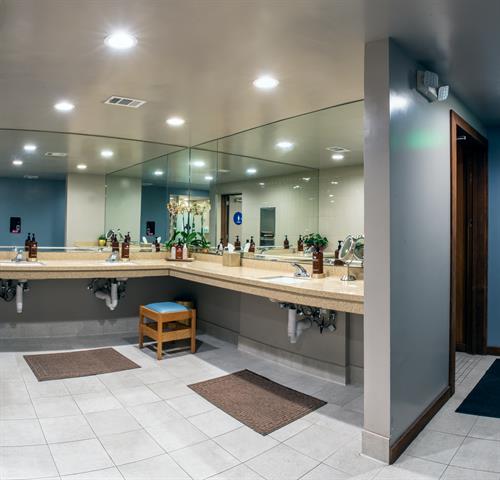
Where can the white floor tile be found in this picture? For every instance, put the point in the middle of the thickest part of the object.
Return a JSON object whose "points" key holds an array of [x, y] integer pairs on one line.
{"points": [[52, 388], [240, 472], [151, 414], [478, 454], [456, 473], [96, 402], [189, 405], [215, 422], [486, 428], [17, 411], [66, 429], [282, 462], [204, 459], [18, 433], [130, 447], [26, 462], [325, 472], [411, 468], [81, 456], [284, 433], [153, 375], [78, 386], [171, 389], [307, 443], [435, 446], [244, 444], [132, 396], [156, 468], [176, 434], [106, 474], [47, 407], [112, 421], [349, 459]]}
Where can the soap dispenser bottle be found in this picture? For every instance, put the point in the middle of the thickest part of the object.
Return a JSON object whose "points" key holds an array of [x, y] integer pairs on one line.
{"points": [[246, 248], [337, 252], [172, 252], [286, 243], [115, 245], [252, 245], [184, 252], [178, 251], [300, 244], [27, 243], [33, 249], [237, 243], [126, 248], [157, 245]]}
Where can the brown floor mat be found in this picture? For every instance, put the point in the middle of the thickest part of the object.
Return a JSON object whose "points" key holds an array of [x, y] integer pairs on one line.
{"points": [[54, 366], [256, 401]]}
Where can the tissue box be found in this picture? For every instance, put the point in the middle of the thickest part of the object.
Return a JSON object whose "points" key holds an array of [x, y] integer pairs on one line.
{"points": [[231, 259]]}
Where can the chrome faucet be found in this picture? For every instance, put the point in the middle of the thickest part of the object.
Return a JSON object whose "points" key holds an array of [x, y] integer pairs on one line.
{"points": [[19, 255], [113, 257], [300, 271]]}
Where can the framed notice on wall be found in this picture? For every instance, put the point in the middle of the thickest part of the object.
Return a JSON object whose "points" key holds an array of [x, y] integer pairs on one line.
{"points": [[15, 225]]}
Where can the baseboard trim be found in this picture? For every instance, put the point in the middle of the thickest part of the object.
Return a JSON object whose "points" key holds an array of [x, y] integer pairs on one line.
{"points": [[493, 351], [400, 445], [218, 331]]}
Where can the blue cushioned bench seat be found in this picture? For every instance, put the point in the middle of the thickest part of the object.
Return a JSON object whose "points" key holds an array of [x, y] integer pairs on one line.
{"points": [[167, 307]]}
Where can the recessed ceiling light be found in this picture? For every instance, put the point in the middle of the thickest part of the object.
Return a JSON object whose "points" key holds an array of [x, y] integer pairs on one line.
{"points": [[209, 177], [285, 145], [266, 82], [120, 40], [261, 184], [331, 196], [64, 106], [295, 187], [158, 173], [198, 163], [251, 171], [107, 153], [175, 121], [334, 183], [29, 147], [17, 162], [337, 156], [81, 166], [306, 179]]}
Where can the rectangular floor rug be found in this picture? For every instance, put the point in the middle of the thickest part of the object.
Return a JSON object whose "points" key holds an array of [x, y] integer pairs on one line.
{"points": [[55, 366], [484, 399], [256, 401]]}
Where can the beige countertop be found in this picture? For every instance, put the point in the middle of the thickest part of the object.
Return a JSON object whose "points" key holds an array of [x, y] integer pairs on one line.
{"points": [[252, 278]]}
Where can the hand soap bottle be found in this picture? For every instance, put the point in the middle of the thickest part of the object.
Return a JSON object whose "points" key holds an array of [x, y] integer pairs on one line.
{"points": [[237, 243], [300, 244], [184, 252], [252, 245], [286, 243], [178, 251], [115, 245], [33, 249], [126, 248], [172, 252], [27, 243]]}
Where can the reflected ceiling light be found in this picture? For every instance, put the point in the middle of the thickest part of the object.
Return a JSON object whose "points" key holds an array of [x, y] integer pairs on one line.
{"points": [[29, 147], [64, 106], [306, 179], [158, 173], [81, 166], [266, 82], [331, 196], [334, 183], [17, 162], [261, 184], [398, 102], [198, 163], [295, 187], [251, 171], [285, 145], [120, 40], [106, 153], [175, 121], [337, 156], [209, 177]]}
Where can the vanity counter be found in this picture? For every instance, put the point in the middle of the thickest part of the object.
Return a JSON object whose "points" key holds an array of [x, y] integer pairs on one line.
{"points": [[255, 278]]}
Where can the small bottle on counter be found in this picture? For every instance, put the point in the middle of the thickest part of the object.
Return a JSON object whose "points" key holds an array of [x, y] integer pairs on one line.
{"points": [[286, 243], [300, 244], [237, 244], [184, 252], [115, 245], [157, 245], [33, 249], [27, 243], [220, 247], [246, 248], [337, 252], [252, 245], [173, 251], [126, 248], [178, 251]]}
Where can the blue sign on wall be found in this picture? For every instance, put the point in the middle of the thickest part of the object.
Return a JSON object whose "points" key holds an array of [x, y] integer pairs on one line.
{"points": [[238, 218]]}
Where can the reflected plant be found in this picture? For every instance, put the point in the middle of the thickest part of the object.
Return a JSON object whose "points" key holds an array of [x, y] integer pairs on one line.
{"points": [[188, 212], [316, 240]]}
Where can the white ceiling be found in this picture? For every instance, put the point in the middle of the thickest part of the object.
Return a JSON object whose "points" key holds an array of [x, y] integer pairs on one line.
{"points": [[197, 59]]}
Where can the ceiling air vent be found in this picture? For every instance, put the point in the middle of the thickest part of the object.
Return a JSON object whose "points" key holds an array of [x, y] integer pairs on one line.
{"points": [[337, 149], [125, 102], [56, 154]]}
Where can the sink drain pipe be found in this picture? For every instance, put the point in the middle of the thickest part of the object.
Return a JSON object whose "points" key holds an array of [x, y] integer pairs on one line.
{"points": [[296, 327], [20, 287], [111, 291]]}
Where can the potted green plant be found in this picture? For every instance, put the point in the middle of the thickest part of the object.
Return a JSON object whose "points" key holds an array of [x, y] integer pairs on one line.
{"points": [[317, 243], [102, 240]]}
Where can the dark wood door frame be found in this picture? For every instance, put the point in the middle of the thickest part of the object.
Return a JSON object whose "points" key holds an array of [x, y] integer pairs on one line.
{"points": [[479, 238], [224, 220]]}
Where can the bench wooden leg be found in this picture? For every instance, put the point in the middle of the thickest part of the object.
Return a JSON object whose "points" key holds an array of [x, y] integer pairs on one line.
{"points": [[159, 344], [141, 332], [193, 331]]}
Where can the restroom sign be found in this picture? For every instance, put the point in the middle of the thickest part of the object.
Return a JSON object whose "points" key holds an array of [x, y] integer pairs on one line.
{"points": [[238, 218]]}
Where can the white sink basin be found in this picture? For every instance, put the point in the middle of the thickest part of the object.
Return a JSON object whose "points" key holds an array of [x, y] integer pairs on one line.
{"points": [[282, 280]]}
